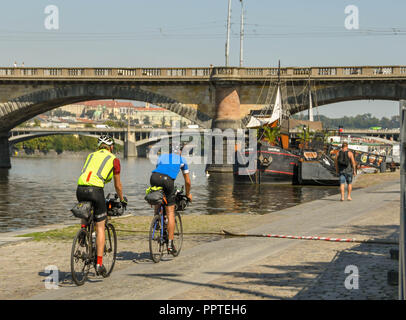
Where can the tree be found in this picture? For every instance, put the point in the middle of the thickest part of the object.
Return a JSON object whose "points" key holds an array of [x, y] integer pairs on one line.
{"points": [[37, 123], [112, 116], [89, 114]]}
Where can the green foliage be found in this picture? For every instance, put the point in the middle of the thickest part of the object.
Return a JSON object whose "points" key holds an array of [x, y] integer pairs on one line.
{"points": [[305, 135], [270, 134], [364, 121], [61, 143], [62, 113], [37, 123], [115, 124]]}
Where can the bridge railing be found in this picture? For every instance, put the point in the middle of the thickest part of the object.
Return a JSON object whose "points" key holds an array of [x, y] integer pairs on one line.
{"points": [[202, 73]]}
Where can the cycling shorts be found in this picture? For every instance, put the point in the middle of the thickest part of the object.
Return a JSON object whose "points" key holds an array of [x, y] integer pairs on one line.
{"points": [[167, 183], [96, 196]]}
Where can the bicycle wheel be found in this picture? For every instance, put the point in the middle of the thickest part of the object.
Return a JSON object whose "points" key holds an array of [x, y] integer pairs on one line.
{"points": [[110, 248], [80, 262], [156, 244], [178, 234]]}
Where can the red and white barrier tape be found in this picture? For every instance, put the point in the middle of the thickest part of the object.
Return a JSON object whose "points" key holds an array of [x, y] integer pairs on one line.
{"points": [[394, 242]]}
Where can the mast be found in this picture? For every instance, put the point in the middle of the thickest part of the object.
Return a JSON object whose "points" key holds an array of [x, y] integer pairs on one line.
{"points": [[228, 32], [279, 85], [310, 103], [241, 34]]}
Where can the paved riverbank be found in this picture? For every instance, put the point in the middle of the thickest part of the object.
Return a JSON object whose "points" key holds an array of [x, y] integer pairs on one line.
{"points": [[212, 267]]}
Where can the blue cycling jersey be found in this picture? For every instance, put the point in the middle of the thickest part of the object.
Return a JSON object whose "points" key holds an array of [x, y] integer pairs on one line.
{"points": [[170, 164]]}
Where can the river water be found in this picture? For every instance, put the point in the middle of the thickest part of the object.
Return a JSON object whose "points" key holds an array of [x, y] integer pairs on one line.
{"points": [[41, 191]]}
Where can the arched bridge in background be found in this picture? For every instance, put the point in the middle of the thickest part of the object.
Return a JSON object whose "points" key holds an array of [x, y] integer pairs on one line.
{"points": [[217, 97], [135, 141]]}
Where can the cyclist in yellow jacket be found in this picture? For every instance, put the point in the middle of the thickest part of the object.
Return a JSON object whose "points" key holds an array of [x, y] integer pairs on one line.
{"points": [[100, 168]]}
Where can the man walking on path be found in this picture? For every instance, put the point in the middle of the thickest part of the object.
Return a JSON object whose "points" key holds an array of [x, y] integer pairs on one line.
{"points": [[346, 168]]}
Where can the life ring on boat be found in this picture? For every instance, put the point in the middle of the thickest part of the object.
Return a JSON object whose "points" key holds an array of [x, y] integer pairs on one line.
{"points": [[265, 161]]}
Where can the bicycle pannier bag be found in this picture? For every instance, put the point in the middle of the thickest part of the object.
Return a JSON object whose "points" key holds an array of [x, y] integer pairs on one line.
{"points": [[154, 197], [82, 210]]}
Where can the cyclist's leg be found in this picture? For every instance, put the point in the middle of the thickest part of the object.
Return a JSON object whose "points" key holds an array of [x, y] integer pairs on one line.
{"points": [[100, 217], [96, 195], [100, 239], [170, 212]]}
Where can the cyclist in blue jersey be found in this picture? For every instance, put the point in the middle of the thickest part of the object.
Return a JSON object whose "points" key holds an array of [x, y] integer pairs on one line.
{"points": [[164, 176]]}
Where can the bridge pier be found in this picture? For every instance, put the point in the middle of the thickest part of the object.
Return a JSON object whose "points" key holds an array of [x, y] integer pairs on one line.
{"points": [[227, 116], [4, 151], [130, 149]]}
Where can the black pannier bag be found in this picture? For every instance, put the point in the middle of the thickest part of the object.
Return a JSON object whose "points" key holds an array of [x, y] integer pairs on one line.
{"points": [[154, 195], [114, 206], [82, 210]]}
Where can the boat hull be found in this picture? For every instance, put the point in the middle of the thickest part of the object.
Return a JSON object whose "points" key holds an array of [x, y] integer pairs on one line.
{"points": [[274, 165]]}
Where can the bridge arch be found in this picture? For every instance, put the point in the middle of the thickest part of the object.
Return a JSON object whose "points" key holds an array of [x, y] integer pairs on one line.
{"points": [[25, 107], [350, 92]]}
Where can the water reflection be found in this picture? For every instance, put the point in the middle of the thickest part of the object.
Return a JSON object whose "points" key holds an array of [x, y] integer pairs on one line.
{"points": [[37, 192], [224, 196]]}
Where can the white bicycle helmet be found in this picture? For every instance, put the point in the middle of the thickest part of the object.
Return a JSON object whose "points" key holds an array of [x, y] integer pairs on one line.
{"points": [[105, 139]]}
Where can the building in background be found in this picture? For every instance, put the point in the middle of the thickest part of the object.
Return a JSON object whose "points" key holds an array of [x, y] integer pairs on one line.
{"points": [[103, 110]]}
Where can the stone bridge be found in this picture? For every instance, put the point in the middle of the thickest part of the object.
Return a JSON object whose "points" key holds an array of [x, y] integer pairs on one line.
{"points": [[217, 97], [134, 140]]}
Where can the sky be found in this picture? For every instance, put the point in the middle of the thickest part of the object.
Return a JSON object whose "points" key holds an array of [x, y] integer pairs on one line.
{"points": [[191, 33]]}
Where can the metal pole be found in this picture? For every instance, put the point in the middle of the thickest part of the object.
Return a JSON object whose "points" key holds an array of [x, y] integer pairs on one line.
{"points": [[228, 32], [242, 34], [402, 261]]}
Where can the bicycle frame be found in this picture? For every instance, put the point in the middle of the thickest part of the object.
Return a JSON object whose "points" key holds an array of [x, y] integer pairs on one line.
{"points": [[161, 212]]}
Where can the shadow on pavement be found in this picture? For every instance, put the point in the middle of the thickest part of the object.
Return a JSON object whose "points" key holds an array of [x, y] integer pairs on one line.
{"points": [[133, 256], [371, 262], [209, 285], [309, 280]]}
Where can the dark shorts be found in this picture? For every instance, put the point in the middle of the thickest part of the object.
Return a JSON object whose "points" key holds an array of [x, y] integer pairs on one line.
{"points": [[95, 195], [345, 177], [167, 183]]}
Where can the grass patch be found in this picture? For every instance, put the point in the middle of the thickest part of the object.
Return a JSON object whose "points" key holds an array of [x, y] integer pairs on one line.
{"points": [[67, 233], [130, 226]]}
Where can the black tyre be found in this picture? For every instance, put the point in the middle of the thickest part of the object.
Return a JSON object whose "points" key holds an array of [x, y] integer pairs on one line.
{"points": [[110, 249], [156, 243], [80, 261], [178, 234]]}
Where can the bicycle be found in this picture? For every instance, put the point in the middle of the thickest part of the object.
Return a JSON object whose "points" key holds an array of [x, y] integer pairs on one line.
{"points": [[158, 232], [84, 254]]}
